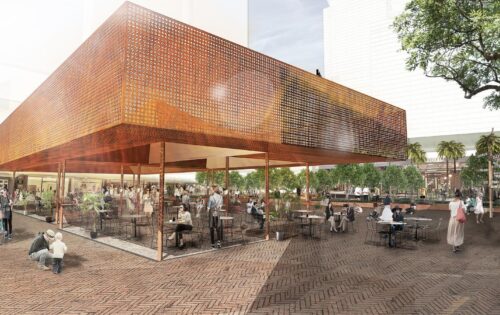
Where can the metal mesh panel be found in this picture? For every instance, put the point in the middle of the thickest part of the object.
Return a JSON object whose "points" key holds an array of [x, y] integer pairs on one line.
{"points": [[181, 78], [81, 97]]}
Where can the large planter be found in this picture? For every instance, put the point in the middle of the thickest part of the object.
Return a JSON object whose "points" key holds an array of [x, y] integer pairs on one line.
{"points": [[280, 235], [49, 219], [93, 234]]}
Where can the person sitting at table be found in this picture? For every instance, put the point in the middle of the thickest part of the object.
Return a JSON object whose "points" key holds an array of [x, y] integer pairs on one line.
{"points": [[348, 217], [397, 216], [386, 213], [258, 214], [333, 219], [185, 224], [411, 209], [357, 208]]}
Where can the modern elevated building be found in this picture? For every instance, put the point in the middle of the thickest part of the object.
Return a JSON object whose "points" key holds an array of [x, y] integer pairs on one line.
{"points": [[148, 94]]}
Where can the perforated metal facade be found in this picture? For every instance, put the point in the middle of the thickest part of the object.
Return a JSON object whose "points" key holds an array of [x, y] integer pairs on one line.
{"points": [[179, 77], [142, 68]]}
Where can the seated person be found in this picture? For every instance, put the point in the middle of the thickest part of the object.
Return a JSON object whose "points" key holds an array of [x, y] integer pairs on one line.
{"points": [[357, 208], [397, 216], [411, 209], [386, 213], [334, 219], [249, 205], [185, 224], [258, 214], [348, 217]]}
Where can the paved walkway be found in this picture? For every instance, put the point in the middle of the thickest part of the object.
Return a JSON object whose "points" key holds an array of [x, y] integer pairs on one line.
{"points": [[337, 275]]}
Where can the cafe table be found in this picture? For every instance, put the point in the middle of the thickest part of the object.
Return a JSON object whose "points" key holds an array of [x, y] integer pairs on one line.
{"points": [[311, 217]]}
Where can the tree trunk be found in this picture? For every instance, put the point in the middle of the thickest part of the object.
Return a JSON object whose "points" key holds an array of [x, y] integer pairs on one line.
{"points": [[454, 166], [447, 178], [490, 187]]}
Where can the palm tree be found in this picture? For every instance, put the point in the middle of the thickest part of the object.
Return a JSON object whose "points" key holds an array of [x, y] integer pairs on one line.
{"points": [[490, 145], [445, 151], [458, 150], [415, 153]]}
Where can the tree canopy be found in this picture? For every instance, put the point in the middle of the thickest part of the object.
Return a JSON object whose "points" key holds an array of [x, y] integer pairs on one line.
{"points": [[457, 40], [415, 153]]}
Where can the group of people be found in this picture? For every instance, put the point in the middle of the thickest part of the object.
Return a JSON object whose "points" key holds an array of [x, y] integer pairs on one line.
{"points": [[48, 246], [339, 222], [475, 204]]}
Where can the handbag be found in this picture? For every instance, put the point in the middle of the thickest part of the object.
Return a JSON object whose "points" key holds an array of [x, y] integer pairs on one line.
{"points": [[461, 214]]}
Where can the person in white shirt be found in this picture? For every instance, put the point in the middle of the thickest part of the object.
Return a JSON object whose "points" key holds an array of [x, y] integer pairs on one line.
{"points": [[185, 224], [455, 235], [58, 248], [479, 209]]}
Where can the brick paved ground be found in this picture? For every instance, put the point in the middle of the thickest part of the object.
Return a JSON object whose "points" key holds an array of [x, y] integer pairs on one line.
{"points": [[338, 275]]}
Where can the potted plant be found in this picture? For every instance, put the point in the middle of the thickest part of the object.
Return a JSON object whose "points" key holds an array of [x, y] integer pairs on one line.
{"points": [[90, 204], [23, 202], [47, 203]]}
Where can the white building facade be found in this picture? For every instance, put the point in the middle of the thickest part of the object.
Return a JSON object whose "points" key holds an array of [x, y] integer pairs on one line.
{"points": [[363, 52]]}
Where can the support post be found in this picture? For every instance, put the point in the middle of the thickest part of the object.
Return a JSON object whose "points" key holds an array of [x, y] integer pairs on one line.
{"points": [[139, 187], [490, 187], [307, 185], [268, 221], [61, 195], [159, 239], [58, 191], [226, 178], [12, 190], [121, 189]]}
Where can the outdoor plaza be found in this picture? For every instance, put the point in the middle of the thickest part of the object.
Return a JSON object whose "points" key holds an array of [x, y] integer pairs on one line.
{"points": [[146, 94], [337, 274]]}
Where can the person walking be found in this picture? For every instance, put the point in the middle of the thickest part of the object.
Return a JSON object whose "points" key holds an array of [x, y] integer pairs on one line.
{"points": [[455, 235], [479, 209], [214, 206], [58, 248], [6, 205]]}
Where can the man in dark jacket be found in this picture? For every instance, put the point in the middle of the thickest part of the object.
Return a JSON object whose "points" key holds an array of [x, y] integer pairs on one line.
{"points": [[39, 249]]}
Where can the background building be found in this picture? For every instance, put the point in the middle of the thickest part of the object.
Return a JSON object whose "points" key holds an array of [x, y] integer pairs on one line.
{"points": [[362, 52], [47, 32]]}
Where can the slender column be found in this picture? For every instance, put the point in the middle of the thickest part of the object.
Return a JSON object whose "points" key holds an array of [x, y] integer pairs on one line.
{"points": [[138, 188], [121, 190], [490, 187], [61, 194], [12, 190], [268, 221], [307, 185], [159, 239], [226, 178], [58, 185]]}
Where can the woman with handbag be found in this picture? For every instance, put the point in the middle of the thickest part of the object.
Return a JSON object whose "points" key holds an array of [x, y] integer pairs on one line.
{"points": [[457, 220]]}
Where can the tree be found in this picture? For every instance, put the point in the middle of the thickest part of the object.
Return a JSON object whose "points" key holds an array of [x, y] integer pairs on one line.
{"points": [[473, 174], [458, 152], [450, 150], [282, 178], [489, 145], [415, 153], [393, 177], [255, 180], [372, 175], [414, 179], [456, 40], [235, 180], [349, 175], [201, 178]]}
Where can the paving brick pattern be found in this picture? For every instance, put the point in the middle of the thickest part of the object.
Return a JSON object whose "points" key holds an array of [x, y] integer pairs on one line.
{"points": [[336, 275]]}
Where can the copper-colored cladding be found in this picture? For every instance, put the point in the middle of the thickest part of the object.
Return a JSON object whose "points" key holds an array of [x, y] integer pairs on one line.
{"points": [[143, 78]]}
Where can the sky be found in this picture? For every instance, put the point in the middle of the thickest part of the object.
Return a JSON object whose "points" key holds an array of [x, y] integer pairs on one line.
{"points": [[288, 30]]}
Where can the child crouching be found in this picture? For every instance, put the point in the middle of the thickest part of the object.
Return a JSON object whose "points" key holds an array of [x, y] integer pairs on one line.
{"points": [[58, 248]]}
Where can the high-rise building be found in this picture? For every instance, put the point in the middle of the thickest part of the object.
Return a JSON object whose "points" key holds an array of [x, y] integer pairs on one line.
{"points": [[362, 51]]}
